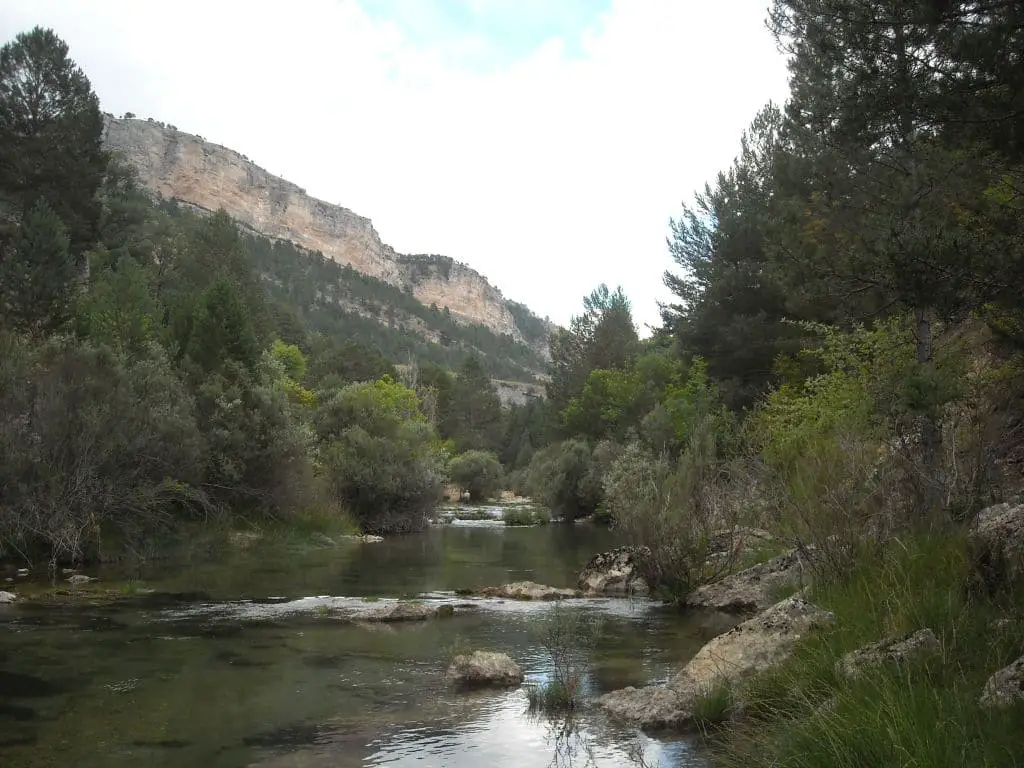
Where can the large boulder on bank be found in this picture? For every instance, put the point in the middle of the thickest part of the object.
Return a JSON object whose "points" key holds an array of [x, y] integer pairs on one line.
{"points": [[528, 590], [1005, 688], [484, 668], [893, 650], [615, 572], [738, 539], [997, 545], [750, 648], [753, 589]]}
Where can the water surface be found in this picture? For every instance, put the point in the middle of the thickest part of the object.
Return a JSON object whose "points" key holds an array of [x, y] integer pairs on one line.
{"points": [[233, 662]]}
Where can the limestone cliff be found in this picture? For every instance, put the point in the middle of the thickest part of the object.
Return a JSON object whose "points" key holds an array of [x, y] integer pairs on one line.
{"points": [[208, 176]]}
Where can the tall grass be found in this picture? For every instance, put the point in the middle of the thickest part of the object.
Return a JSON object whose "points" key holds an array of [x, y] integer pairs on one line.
{"points": [[924, 713]]}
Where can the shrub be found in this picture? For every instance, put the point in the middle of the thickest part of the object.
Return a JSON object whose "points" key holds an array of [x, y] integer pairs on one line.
{"points": [[525, 516], [674, 508], [561, 477], [91, 444], [568, 636], [382, 459], [478, 472]]}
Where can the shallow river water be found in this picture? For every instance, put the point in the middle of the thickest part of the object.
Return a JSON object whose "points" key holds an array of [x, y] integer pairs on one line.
{"points": [[232, 661]]}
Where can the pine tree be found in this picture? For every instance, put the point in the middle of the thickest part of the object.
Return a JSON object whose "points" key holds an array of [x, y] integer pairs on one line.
{"points": [[50, 135], [38, 275]]}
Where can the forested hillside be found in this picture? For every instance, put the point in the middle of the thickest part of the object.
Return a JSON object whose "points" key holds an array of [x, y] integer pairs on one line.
{"points": [[160, 368]]}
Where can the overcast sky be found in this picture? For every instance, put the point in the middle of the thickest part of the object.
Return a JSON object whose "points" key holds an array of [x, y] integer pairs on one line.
{"points": [[545, 143]]}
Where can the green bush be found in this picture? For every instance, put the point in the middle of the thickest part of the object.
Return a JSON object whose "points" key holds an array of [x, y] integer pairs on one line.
{"points": [[672, 508], [562, 478], [382, 459], [568, 637], [477, 472], [525, 516], [91, 443]]}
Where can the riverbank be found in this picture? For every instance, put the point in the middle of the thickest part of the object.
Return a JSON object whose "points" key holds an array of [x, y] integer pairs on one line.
{"points": [[894, 660]]}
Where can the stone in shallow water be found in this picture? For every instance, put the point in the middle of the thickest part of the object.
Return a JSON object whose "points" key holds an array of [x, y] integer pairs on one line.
{"points": [[614, 572], [528, 590], [484, 668], [7, 597], [750, 648]]}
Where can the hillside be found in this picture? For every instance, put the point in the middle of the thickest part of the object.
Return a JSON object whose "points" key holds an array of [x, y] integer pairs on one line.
{"points": [[207, 176]]}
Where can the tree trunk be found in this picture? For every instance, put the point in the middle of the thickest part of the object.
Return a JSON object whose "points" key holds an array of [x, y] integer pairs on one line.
{"points": [[930, 481]]}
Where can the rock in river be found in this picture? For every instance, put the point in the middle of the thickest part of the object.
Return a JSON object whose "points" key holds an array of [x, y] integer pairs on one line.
{"points": [[528, 590], [395, 612], [615, 572], [7, 597], [754, 646], [484, 668], [78, 579], [753, 589]]}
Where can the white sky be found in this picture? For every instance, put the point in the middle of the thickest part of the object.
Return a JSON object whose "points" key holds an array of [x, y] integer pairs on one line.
{"points": [[545, 143]]}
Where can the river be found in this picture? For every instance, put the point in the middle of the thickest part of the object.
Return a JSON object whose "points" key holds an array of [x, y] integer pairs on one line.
{"points": [[230, 661]]}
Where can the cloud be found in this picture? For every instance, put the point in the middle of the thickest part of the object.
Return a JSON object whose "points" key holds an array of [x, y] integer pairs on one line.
{"points": [[546, 148]]}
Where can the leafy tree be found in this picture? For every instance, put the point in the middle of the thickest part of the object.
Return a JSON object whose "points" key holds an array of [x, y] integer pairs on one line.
{"points": [[50, 135], [38, 274], [562, 477], [478, 473]]}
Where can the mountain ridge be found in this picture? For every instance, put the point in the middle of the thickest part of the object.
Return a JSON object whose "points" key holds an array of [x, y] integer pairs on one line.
{"points": [[209, 176]]}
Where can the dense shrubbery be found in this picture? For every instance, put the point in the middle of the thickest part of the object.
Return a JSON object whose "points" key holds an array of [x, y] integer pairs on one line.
{"points": [[383, 460], [562, 478], [478, 473]]}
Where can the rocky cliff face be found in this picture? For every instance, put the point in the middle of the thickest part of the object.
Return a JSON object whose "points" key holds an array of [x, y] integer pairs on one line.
{"points": [[209, 176]]}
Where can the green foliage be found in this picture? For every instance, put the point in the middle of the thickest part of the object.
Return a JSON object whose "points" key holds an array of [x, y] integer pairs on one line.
{"points": [[513, 516], [471, 415], [568, 636], [562, 478], [125, 459], [120, 308], [50, 136], [38, 274], [383, 460], [478, 473], [926, 711]]}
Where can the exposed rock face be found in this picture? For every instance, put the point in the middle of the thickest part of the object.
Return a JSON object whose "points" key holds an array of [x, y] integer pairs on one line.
{"points": [[997, 541], [1006, 687], [615, 572], [754, 646], [894, 650], [753, 589], [528, 590], [484, 668], [209, 176]]}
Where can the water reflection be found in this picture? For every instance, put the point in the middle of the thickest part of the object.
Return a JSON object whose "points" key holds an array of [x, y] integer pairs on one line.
{"points": [[210, 671]]}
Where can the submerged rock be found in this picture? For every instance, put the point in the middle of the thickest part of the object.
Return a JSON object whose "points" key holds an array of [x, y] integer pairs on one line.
{"points": [[7, 597], [395, 612], [1005, 688], [484, 668], [615, 572], [365, 538], [528, 590], [753, 589], [997, 544], [750, 648], [893, 650]]}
